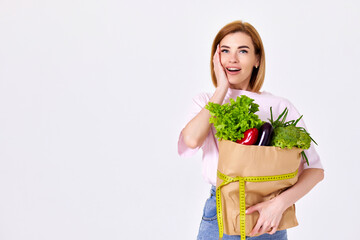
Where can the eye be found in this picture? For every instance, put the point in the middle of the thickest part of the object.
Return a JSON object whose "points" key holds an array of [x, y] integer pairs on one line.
{"points": [[243, 51], [225, 50]]}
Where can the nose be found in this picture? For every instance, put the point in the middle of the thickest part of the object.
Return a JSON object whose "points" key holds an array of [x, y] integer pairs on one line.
{"points": [[233, 58]]}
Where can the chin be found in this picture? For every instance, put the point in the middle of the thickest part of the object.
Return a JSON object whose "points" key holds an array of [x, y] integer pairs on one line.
{"points": [[234, 82], [239, 84]]}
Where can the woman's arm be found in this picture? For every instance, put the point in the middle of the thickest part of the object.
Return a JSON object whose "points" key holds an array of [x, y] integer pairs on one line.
{"points": [[196, 131], [271, 211], [307, 180]]}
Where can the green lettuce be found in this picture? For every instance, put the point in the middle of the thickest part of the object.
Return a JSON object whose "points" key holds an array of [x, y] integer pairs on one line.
{"points": [[232, 120]]}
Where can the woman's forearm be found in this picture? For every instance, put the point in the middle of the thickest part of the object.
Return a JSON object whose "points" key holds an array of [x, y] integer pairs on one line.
{"points": [[197, 129], [307, 180]]}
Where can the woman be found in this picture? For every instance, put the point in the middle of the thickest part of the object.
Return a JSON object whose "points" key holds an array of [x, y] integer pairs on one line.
{"points": [[238, 68]]}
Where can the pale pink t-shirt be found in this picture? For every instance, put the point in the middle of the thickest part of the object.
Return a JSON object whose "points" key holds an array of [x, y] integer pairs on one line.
{"points": [[210, 145]]}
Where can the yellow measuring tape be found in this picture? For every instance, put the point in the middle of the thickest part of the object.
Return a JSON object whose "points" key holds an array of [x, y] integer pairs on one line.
{"points": [[226, 180]]}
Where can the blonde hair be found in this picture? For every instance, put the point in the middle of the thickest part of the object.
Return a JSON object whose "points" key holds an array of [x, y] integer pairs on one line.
{"points": [[258, 74]]}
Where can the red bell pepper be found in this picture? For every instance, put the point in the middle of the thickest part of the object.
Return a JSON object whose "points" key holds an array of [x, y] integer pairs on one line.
{"points": [[250, 137]]}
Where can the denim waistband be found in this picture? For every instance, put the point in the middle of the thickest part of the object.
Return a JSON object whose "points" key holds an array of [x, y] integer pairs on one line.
{"points": [[213, 190]]}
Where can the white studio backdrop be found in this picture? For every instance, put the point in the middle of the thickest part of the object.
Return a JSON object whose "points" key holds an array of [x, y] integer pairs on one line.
{"points": [[93, 96]]}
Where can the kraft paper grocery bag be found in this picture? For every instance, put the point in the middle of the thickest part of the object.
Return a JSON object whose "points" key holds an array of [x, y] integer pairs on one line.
{"points": [[253, 161]]}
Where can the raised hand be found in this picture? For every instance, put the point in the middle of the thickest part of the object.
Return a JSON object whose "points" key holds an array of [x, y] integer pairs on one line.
{"points": [[222, 80]]}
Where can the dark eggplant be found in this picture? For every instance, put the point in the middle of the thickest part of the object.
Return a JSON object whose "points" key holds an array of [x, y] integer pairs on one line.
{"points": [[265, 134]]}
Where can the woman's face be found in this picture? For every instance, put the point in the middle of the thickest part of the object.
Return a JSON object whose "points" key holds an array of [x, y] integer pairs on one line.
{"points": [[238, 59]]}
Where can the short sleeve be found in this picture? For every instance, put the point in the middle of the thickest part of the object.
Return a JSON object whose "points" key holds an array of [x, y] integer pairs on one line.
{"points": [[311, 154], [198, 103]]}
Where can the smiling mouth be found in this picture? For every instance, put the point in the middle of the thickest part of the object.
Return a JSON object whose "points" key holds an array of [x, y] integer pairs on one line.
{"points": [[233, 69]]}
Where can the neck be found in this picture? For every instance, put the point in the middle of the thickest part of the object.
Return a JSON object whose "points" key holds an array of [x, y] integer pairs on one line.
{"points": [[245, 87]]}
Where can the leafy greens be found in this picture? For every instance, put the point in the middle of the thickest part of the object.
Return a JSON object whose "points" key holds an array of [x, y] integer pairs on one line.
{"points": [[288, 135], [232, 120]]}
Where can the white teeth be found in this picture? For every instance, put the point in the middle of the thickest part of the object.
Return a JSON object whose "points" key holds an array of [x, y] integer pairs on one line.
{"points": [[233, 69]]}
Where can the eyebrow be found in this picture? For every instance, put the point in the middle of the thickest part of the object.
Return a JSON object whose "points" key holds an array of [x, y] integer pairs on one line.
{"points": [[243, 46]]}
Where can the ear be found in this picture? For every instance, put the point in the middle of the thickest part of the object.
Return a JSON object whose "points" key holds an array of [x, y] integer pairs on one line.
{"points": [[257, 63]]}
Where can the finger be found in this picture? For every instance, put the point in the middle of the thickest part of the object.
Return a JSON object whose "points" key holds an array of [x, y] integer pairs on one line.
{"points": [[256, 228], [273, 230], [251, 210], [219, 53], [275, 227], [264, 228], [216, 51], [217, 59], [216, 55]]}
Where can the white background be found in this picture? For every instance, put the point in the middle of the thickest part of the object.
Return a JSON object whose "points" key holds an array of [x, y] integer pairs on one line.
{"points": [[93, 95]]}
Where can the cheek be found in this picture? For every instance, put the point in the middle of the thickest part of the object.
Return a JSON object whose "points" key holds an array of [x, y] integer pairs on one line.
{"points": [[247, 61]]}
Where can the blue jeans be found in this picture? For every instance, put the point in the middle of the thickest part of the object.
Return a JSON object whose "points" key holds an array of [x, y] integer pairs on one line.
{"points": [[209, 229]]}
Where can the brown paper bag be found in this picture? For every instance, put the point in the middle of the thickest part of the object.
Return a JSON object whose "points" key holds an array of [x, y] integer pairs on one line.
{"points": [[246, 161]]}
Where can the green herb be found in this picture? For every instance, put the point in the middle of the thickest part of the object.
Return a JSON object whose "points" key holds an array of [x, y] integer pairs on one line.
{"points": [[232, 120], [288, 135]]}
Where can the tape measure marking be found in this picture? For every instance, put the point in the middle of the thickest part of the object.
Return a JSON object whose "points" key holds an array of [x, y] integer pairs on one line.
{"points": [[226, 180]]}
